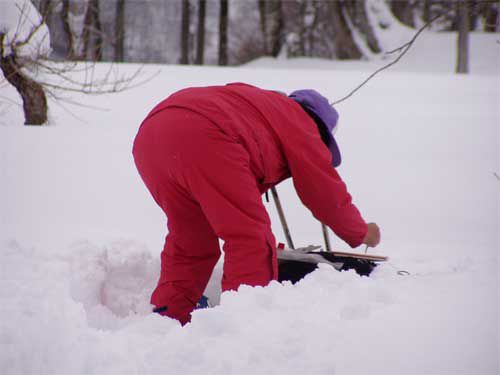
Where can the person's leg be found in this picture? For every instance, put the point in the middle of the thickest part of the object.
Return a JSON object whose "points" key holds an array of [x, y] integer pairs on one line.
{"points": [[211, 172], [220, 179], [191, 248], [187, 262]]}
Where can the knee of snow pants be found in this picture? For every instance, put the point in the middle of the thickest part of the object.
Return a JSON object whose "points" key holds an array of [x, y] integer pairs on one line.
{"points": [[201, 178]]}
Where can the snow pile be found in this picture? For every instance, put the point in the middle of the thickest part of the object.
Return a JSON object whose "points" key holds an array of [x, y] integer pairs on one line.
{"points": [[68, 316], [21, 23]]}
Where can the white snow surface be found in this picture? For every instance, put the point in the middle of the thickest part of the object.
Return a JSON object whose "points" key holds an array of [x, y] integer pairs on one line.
{"points": [[80, 237], [22, 23]]}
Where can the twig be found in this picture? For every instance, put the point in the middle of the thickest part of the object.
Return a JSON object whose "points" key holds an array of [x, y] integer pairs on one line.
{"points": [[405, 48], [59, 98], [8, 100], [496, 175], [58, 102], [32, 32]]}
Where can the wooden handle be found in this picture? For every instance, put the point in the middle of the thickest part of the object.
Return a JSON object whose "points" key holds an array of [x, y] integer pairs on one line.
{"points": [[281, 214]]}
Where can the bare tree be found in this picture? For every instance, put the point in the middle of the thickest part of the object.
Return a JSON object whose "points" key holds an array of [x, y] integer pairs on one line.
{"points": [[263, 22], [65, 13], [345, 47], [403, 10], [294, 14], [357, 13], [32, 93], [45, 8], [35, 77], [119, 54], [223, 22], [312, 13], [491, 17], [463, 38], [275, 27], [325, 28], [271, 25], [427, 10], [185, 21], [200, 37], [92, 32]]}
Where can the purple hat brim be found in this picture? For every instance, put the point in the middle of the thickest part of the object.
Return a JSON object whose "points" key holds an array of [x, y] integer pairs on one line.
{"points": [[318, 107], [335, 151]]}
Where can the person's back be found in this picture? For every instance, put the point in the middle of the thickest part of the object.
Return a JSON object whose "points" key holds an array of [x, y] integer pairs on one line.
{"points": [[249, 115]]}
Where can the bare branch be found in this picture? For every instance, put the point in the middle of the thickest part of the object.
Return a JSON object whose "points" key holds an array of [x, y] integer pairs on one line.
{"points": [[404, 48], [93, 86], [496, 175], [34, 29], [2, 38], [8, 100], [59, 101], [34, 77]]}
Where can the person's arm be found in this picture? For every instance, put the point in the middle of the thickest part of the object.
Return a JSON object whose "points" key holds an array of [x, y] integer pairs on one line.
{"points": [[320, 187]]}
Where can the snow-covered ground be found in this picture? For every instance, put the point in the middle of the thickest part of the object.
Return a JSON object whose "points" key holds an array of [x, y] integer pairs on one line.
{"points": [[80, 237]]}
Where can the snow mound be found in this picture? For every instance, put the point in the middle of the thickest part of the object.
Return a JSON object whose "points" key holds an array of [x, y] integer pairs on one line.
{"points": [[115, 280], [88, 311]]}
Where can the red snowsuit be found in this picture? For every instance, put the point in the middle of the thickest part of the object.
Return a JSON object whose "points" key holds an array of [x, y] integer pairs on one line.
{"points": [[206, 155]]}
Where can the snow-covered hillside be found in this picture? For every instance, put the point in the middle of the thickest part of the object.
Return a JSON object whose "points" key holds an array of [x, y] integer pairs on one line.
{"points": [[80, 237]]}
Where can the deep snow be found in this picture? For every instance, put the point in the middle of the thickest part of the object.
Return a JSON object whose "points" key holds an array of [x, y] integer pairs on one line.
{"points": [[80, 237]]}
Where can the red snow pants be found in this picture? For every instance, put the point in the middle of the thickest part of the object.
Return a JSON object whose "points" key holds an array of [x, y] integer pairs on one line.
{"points": [[201, 179]]}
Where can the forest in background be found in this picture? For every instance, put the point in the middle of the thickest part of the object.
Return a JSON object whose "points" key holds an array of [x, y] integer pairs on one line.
{"points": [[41, 48], [233, 32]]}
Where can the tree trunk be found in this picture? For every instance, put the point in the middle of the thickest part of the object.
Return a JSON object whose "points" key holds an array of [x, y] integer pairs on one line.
{"points": [[302, 30], [345, 47], [427, 10], [263, 24], [92, 32], [491, 18], [34, 99], [275, 27], [223, 21], [120, 31], [358, 16], [463, 39], [311, 29], [98, 40], [185, 32], [87, 29], [45, 9], [271, 26], [70, 54], [295, 28], [472, 10], [200, 42], [403, 11]]}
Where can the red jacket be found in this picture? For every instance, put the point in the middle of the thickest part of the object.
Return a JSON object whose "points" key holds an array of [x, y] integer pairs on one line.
{"points": [[282, 141]]}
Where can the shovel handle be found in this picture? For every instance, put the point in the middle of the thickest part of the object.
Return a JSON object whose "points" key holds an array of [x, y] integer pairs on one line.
{"points": [[281, 214], [326, 237]]}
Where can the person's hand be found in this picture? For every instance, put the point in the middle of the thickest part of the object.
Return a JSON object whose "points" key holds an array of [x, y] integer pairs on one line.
{"points": [[372, 237]]}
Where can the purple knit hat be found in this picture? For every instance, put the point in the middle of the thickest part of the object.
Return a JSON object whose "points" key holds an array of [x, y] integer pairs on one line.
{"points": [[318, 107]]}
